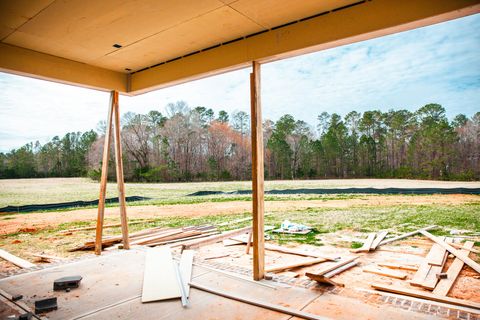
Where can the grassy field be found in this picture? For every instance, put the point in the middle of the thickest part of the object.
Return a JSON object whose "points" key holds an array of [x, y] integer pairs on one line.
{"points": [[334, 217], [53, 190]]}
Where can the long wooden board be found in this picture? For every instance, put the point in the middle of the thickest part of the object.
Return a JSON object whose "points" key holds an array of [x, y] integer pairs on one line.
{"points": [[160, 278], [281, 267], [472, 264], [398, 266], [437, 256], [15, 260], [431, 279], [216, 238], [332, 267], [426, 295], [386, 272], [186, 266], [444, 285], [405, 235], [258, 303]]}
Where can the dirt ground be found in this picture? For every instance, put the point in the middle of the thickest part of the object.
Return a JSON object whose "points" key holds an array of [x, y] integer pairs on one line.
{"points": [[36, 221]]}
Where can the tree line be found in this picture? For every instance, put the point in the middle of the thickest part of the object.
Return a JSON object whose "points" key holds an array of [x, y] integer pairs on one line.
{"points": [[194, 144]]}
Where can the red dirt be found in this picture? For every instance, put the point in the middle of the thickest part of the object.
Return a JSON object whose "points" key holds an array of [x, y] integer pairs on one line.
{"points": [[32, 222]]}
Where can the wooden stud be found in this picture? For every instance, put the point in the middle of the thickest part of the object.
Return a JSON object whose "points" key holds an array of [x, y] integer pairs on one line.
{"points": [[257, 174], [119, 167], [398, 266], [103, 180], [366, 245]]}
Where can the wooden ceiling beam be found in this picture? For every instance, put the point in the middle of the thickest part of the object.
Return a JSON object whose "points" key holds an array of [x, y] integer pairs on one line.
{"points": [[25, 62], [366, 20]]}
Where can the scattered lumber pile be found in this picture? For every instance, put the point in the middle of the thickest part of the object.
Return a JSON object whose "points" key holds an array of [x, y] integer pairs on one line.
{"points": [[430, 274], [156, 236]]}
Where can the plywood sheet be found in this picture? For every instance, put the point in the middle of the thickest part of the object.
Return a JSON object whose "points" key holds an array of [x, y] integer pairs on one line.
{"points": [[272, 13], [160, 278]]}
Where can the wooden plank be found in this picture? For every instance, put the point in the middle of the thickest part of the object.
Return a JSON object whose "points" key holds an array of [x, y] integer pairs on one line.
{"points": [[259, 303], [15, 260], [444, 285], [216, 238], [256, 133], [380, 236], [119, 168], [160, 236], [406, 235], [437, 256], [332, 267], [426, 295], [386, 272], [469, 262], [341, 269], [281, 267], [185, 267], [160, 278], [423, 270], [367, 244], [460, 246], [398, 266], [324, 279], [103, 179], [431, 279]]}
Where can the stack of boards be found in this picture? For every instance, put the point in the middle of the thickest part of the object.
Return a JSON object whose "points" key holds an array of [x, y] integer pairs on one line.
{"points": [[156, 236], [165, 279]]}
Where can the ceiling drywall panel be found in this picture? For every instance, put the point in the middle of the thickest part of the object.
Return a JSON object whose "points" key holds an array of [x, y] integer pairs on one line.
{"points": [[210, 29]]}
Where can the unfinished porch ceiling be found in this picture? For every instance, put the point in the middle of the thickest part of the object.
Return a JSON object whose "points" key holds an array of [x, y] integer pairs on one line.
{"points": [[135, 46], [149, 31]]}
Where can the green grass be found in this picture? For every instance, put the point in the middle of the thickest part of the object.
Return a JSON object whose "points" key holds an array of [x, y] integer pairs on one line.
{"points": [[395, 219]]}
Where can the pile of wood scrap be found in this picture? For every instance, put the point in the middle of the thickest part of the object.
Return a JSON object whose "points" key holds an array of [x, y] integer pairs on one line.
{"points": [[156, 236], [431, 274]]}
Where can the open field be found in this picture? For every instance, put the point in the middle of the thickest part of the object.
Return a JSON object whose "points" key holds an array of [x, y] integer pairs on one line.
{"points": [[51, 190], [339, 220]]}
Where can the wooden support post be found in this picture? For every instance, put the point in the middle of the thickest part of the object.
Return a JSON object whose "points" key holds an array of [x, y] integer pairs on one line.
{"points": [[103, 180], [113, 113], [257, 174], [119, 167]]}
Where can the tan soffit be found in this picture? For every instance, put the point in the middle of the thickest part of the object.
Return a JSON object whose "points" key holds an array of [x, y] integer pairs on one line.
{"points": [[72, 40]]}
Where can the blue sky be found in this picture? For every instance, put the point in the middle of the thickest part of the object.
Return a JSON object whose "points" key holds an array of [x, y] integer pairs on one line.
{"points": [[439, 63]]}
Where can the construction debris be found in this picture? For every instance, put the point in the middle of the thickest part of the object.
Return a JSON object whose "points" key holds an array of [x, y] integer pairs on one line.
{"points": [[46, 305], [292, 228], [67, 283], [156, 236]]}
